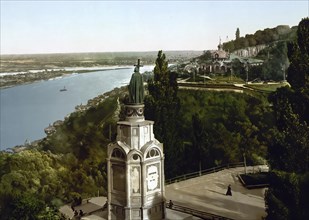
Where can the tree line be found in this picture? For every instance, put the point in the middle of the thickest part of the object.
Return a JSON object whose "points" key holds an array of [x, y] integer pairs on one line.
{"points": [[204, 128], [266, 36], [288, 153]]}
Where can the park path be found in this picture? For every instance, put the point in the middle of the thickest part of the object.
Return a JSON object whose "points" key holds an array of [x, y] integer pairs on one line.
{"points": [[207, 194]]}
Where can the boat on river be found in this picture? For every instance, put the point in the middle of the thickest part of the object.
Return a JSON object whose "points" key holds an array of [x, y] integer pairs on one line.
{"points": [[63, 90]]}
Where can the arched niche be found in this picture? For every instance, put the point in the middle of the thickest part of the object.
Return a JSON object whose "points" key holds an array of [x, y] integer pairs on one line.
{"points": [[135, 157], [117, 153], [152, 152]]}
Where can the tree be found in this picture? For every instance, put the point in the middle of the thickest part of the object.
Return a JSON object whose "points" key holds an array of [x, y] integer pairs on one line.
{"points": [[238, 68], [285, 197], [251, 40], [243, 42], [162, 106], [206, 55], [237, 33], [200, 141], [298, 71], [274, 67], [218, 127], [229, 46]]}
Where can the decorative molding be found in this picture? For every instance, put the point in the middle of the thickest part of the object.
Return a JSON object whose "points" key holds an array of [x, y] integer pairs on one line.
{"points": [[135, 111]]}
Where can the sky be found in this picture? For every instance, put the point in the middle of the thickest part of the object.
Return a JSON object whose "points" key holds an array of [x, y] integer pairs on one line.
{"points": [[56, 26]]}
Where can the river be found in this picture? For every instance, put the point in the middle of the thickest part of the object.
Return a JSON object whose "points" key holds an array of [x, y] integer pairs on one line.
{"points": [[25, 110]]}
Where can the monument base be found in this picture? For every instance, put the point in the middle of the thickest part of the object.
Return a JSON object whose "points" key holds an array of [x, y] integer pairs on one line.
{"points": [[135, 112]]}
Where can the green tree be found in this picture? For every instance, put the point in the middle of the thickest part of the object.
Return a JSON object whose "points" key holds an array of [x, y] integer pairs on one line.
{"points": [[200, 142], [274, 67], [218, 127], [285, 198], [243, 42], [259, 37], [239, 68], [162, 106], [229, 46], [206, 55], [251, 40]]}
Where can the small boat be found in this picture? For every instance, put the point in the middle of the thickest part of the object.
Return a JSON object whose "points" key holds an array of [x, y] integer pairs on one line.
{"points": [[63, 90]]}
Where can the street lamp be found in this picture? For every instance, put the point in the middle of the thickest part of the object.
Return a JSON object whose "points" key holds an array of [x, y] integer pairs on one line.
{"points": [[247, 71], [283, 71], [244, 155]]}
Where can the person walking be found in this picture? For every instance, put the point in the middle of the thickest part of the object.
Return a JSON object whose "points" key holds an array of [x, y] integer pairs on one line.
{"points": [[171, 204], [229, 190]]}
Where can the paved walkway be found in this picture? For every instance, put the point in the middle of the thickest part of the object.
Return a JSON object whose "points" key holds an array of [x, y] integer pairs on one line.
{"points": [[207, 193], [92, 206]]}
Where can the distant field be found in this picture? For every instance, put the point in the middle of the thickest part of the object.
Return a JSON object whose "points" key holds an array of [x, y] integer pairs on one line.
{"points": [[10, 63], [52, 65]]}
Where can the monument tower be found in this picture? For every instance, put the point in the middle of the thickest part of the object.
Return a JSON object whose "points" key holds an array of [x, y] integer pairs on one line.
{"points": [[135, 163]]}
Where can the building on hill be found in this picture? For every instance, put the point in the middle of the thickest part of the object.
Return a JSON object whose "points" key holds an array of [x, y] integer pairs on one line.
{"points": [[217, 63], [221, 62], [219, 54]]}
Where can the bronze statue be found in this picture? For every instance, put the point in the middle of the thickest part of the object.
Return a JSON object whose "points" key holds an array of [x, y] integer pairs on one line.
{"points": [[136, 87]]}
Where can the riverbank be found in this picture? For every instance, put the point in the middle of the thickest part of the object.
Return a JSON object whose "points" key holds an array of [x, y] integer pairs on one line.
{"points": [[41, 103], [52, 128]]}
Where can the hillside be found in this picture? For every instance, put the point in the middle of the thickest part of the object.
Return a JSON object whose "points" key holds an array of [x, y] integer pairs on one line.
{"points": [[258, 57], [261, 37], [66, 165]]}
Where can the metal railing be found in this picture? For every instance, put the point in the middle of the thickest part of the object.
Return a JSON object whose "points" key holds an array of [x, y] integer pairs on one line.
{"points": [[197, 213], [203, 172]]}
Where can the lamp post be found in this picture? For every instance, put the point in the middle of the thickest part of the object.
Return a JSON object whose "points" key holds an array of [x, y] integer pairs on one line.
{"points": [[204, 73], [247, 71], [283, 72], [244, 155]]}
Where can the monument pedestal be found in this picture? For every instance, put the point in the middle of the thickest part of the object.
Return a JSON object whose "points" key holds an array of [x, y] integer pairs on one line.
{"points": [[135, 169]]}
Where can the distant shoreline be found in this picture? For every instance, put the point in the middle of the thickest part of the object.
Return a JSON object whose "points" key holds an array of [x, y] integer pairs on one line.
{"points": [[23, 78], [55, 69]]}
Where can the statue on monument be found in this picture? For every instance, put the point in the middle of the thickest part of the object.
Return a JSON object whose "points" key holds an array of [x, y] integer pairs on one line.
{"points": [[136, 86]]}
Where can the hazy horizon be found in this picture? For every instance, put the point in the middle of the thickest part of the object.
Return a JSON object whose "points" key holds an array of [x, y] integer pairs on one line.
{"points": [[150, 51], [57, 27]]}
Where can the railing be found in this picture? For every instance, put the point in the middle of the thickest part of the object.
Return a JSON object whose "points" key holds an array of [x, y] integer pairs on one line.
{"points": [[203, 172], [210, 86], [197, 213]]}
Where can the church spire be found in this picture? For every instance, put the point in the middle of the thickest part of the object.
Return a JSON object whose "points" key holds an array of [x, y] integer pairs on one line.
{"points": [[220, 45]]}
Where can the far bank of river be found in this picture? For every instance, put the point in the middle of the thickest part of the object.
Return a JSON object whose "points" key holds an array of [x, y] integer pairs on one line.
{"points": [[9, 79], [26, 110]]}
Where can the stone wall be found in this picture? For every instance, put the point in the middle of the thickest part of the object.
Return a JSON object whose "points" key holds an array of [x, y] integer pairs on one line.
{"points": [[250, 51]]}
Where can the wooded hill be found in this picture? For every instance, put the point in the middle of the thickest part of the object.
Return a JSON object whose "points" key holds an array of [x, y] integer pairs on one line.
{"points": [[274, 54], [266, 36]]}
